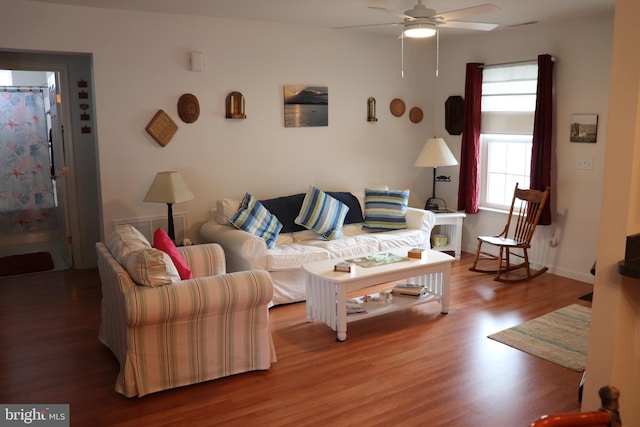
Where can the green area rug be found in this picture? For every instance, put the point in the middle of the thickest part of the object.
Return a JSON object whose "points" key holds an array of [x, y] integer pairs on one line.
{"points": [[561, 336]]}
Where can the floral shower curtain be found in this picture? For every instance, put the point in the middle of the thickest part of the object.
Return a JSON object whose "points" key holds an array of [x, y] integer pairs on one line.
{"points": [[27, 199]]}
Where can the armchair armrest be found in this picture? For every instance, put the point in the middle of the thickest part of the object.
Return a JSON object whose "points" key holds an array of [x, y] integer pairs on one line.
{"points": [[204, 260], [212, 296], [242, 250], [422, 220]]}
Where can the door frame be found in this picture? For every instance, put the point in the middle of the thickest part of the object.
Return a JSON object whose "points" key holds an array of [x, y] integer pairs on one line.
{"points": [[62, 153], [80, 231]]}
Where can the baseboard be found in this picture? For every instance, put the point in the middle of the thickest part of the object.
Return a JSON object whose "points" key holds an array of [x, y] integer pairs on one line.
{"points": [[582, 276]]}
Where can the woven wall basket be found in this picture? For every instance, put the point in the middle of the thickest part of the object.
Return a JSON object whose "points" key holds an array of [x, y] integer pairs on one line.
{"points": [[161, 128], [188, 108]]}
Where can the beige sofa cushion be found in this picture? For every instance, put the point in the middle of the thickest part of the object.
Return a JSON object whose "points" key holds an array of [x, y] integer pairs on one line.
{"points": [[123, 240], [151, 267], [226, 208], [347, 247], [292, 256]]}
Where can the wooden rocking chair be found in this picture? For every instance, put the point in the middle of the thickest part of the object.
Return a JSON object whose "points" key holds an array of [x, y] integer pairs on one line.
{"points": [[526, 208]]}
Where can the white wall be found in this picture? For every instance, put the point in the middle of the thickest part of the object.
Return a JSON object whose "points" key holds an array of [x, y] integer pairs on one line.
{"points": [[29, 78], [582, 51], [141, 65], [614, 342]]}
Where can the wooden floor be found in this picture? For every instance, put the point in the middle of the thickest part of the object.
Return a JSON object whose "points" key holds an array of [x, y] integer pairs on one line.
{"points": [[415, 367]]}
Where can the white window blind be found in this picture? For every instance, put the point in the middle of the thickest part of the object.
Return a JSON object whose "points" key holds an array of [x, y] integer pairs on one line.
{"points": [[509, 98]]}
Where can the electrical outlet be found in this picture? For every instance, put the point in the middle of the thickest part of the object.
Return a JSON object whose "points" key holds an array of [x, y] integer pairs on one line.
{"points": [[584, 163]]}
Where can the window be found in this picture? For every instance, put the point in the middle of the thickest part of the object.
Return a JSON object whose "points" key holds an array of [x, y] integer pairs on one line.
{"points": [[508, 109], [505, 161], [6, 78]]}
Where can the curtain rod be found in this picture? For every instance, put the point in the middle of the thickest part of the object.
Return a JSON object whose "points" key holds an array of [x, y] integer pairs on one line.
{"points": [[534, 61], [22, 88]]}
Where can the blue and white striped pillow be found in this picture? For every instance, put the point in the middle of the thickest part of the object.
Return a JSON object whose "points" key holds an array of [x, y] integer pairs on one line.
{"points": [[322, 213], [385, 209], [254, 218]]}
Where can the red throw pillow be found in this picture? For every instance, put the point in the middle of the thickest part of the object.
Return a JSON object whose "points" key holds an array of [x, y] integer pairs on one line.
{"points": [[162, 241]]}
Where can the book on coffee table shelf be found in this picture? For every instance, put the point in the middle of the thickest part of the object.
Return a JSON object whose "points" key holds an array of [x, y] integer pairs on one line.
{"points": [[409, 289], [343, 266], [354, 307]]}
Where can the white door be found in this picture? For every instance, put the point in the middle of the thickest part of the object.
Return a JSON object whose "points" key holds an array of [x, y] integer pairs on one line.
{"points": [[58, 167]]}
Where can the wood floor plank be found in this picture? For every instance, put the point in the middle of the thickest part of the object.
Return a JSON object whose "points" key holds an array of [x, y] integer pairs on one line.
{"points": [[415, 367]]}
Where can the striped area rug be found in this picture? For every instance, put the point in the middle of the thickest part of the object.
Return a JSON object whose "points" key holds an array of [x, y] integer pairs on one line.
{"points": [[561, 336]]}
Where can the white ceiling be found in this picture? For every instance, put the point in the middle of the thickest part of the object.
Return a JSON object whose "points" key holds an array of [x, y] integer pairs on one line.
{"points": [[336, 13]]}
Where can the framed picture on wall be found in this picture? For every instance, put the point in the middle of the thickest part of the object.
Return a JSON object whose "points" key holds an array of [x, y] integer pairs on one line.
{"points": [[584, 128], [306, 106]]}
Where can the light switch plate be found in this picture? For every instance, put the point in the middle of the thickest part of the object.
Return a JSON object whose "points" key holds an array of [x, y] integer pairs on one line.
{"points": [[584, 163]]}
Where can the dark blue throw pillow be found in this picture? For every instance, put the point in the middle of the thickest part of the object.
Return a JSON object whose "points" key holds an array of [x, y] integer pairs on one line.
{"points": [[287, 208]]}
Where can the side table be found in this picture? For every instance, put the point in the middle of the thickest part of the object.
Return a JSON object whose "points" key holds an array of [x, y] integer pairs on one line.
{"points": [[449, 223]]}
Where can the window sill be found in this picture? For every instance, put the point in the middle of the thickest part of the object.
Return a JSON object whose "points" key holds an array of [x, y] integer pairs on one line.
{"points": [[494, 210]]}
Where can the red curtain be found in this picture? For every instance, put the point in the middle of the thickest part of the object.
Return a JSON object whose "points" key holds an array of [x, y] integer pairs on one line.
{"points": [[543, 133], [469, 186]]}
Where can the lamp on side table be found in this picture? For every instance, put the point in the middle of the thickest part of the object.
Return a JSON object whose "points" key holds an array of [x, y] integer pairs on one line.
{"points": [[168, 187], [434, 154]]}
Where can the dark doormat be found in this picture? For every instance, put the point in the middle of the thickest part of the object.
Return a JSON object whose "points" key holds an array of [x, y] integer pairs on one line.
{"points": [[25, 263], [587, 297]]}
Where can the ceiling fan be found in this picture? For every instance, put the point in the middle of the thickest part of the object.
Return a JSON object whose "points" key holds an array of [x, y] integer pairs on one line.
{"points": [[421, 22]]}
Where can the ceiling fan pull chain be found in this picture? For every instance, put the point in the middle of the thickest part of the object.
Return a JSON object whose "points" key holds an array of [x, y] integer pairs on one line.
{"points": [[402, 56], [437, 51]]}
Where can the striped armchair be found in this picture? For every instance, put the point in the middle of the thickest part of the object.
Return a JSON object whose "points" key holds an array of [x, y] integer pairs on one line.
{"points": [[195, 330]]}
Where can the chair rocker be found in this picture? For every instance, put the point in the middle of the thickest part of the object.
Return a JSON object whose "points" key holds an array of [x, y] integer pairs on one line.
{"points": [[526, 208]]}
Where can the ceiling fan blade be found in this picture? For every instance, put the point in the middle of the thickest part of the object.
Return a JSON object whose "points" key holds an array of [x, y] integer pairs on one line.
{"points": [[367, 25], [392, 12], [469, 11], [479, 26]]}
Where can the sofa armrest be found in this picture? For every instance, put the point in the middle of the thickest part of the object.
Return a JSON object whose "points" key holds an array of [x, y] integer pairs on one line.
{"points": [[198, 298], [242, 250], [112, 274], [204, 260], [423, 220]]}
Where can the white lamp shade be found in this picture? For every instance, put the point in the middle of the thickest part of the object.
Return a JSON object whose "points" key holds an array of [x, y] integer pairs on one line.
{"points": [[435, 153], [168, 187]]}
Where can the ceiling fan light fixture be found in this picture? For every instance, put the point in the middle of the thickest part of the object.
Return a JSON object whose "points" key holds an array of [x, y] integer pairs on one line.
{"points": [[419, 30]]}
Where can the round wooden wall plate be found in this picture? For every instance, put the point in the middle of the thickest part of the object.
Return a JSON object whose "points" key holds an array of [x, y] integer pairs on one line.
{"points": [[397, 107], [415, 115], [188, 108]]}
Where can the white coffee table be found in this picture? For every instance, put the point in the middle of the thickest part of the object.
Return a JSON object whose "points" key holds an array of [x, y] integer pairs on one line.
{"points": [[327, 289]]}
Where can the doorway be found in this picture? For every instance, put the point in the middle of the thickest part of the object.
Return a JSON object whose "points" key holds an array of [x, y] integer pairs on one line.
{"points": [[61, 209], [32, 202]]}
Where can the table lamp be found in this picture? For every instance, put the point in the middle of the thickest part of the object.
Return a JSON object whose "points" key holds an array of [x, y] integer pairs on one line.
{"points": [[168, 187], [434, 154]]}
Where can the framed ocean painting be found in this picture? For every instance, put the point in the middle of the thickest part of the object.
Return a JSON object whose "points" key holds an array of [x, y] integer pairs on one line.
{"points": [[306, 106], [584, 128]]}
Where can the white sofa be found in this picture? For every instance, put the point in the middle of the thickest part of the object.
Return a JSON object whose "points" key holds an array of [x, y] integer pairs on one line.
{"points": [[245, 251]]}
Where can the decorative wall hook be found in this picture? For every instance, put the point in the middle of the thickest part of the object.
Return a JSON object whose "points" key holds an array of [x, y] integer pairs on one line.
{"points": [[371, 110]]}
